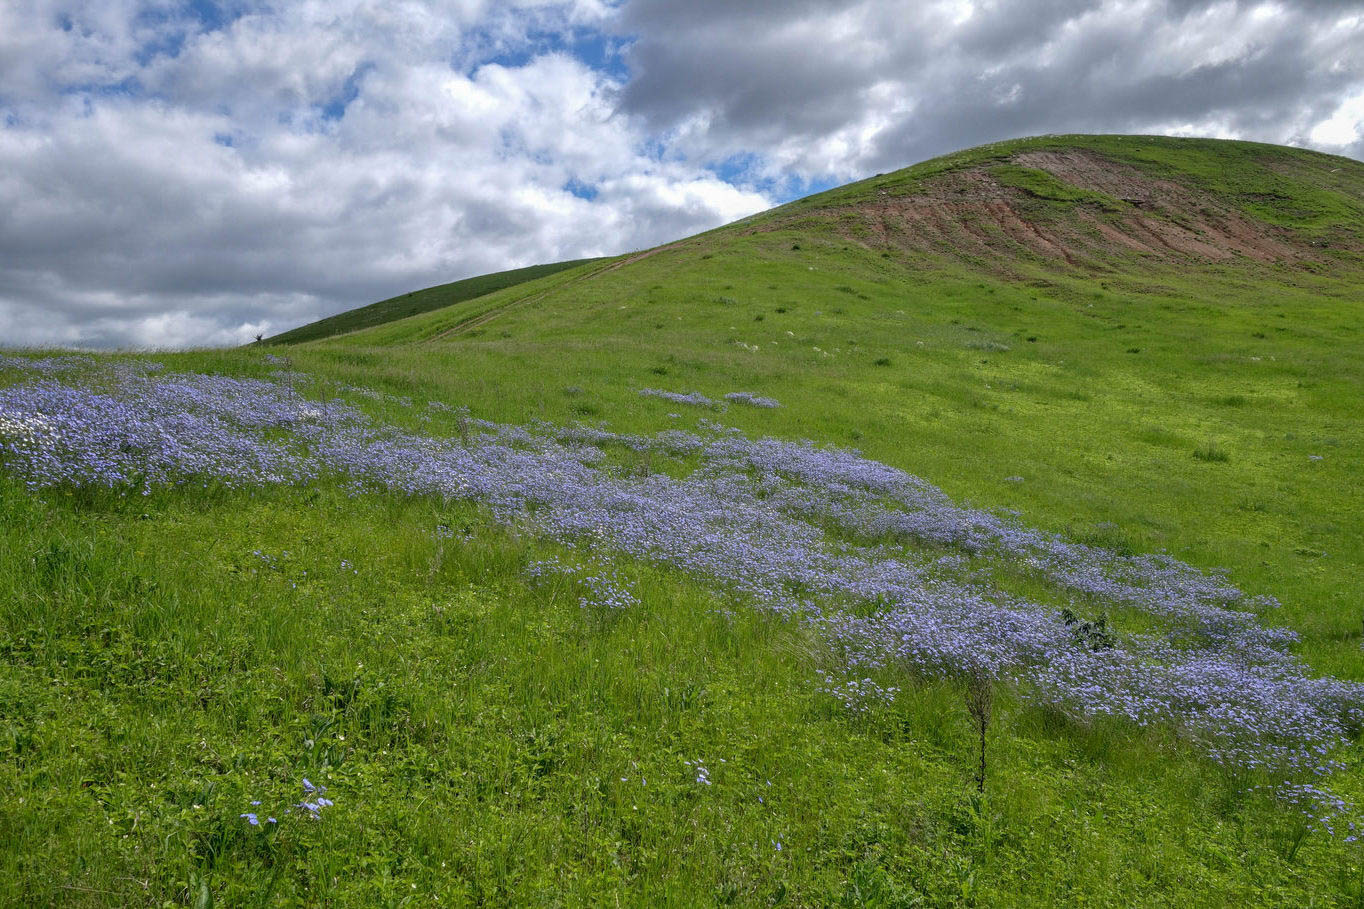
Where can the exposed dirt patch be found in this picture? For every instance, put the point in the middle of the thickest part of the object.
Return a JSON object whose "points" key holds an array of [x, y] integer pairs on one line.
{"points": [[971, 214], [635, 257], [1184, 220]]}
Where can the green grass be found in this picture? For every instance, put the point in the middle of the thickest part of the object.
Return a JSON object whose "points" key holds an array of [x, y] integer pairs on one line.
{"points": [[1041, 185], [418, 301], [1126, 377], [488, 741]]}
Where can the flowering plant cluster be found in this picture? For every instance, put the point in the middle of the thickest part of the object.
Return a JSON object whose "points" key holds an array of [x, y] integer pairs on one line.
{"points": [[752, 400], [857, 695], [694, 399], [702, 773], [314, 802], [1323, 810], [602, 587]]}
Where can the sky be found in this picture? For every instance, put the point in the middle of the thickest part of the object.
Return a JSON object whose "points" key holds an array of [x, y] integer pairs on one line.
{"points": [[192, 174]]}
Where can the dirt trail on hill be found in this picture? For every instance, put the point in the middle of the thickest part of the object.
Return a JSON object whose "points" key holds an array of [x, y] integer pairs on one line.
{"points": [[483, 318], [971, 214]]}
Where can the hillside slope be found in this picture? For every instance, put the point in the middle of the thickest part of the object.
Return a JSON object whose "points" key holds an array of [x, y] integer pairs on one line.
{"points": [[1081, 312], [416, 302], [1086, 199]]}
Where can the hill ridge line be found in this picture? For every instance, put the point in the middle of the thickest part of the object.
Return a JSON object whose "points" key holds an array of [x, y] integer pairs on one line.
{"points": [[489, 315]]}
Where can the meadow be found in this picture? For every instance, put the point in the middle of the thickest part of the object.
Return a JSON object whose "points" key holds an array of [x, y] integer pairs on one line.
{"points": [[549, 593]]}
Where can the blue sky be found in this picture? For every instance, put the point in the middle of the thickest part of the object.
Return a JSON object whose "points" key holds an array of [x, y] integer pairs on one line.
{"points": [[195, 173]]}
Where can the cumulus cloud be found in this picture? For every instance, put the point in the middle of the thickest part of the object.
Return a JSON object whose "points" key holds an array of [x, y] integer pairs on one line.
{"points": [[177, 173], [847, 87], [169, 181]]}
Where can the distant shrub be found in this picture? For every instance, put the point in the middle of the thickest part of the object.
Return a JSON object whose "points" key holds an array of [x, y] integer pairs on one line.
{"points": [[883, 361], [1211, 453], [1109, 536], [1093, 635]]}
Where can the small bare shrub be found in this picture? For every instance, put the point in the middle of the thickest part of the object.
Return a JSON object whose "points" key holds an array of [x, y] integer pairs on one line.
{"points": [[980, 699]]}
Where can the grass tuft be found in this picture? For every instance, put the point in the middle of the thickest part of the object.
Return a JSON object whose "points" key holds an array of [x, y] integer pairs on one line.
{"points": [[1212, 453]]}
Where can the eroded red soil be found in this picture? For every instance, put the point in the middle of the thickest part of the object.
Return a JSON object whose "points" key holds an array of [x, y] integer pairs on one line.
{"points": [[970, 214]]}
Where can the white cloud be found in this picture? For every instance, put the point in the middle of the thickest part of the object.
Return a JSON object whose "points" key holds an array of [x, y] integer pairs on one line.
{"points": [[297, 163], [1343, 128], [815, 97]]}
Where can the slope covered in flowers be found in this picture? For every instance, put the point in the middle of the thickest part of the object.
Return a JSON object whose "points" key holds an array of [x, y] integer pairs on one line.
{"points": [[625, 664], [904, 586]]}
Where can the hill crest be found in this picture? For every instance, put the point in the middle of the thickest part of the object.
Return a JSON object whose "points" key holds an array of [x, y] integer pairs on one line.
{"points": [[1080, 200], [1055, 204]]}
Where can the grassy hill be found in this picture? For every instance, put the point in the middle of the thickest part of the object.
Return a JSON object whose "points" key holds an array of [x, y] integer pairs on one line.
{"points": [[1096, 381], [1141, 345], [418, 301], [1093, 203]]}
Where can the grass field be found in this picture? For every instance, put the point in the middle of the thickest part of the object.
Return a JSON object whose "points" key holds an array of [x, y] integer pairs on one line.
{"points": [[172, 658]]}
